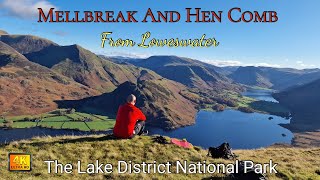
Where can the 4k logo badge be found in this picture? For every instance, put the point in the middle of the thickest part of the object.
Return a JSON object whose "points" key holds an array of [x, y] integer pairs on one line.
{"points": [[19, 162]]}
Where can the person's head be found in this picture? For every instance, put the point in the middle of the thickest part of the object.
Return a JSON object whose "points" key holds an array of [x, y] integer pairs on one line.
{"points": [[131, 99]]}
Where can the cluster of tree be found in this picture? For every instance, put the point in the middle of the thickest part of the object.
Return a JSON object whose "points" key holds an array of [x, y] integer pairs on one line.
{"points": [[218, 107], [32, 119], [7, 124], [64, 112], [246, 109], [226, 101]]}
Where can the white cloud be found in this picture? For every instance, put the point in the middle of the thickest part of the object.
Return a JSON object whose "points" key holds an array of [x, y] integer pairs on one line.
{"points": [[223, 63], [124, 54], [24, 9], [268, 65], [303, 65], [299, 62]]}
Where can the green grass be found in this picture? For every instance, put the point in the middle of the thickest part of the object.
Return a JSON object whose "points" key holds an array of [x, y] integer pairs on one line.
{"points": [[53, 120], [57, 118], [293, 163], [76, 125], [19, 118], [101, 125], [74, 116], [55, 125], [84, 115], [24, 124]]}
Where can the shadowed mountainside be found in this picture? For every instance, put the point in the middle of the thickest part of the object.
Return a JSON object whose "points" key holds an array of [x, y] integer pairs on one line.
{"points": [[252, 76], [85, 67], [192, 73], [304, 103], [274, 78]]}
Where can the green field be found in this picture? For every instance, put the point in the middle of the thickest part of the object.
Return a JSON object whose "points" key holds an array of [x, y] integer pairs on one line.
{"points": [[61, 119], [76, 125], [24, 124]]}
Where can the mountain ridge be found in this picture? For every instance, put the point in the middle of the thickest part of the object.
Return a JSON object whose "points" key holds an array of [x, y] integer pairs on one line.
{"points": [[190, 72], [274, 78]]}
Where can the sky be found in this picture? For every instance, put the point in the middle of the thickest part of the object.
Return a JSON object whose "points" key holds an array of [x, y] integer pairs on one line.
{"points": [[290, 42]]}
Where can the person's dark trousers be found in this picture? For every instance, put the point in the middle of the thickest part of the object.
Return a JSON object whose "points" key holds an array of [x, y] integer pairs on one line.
{"points": [[138, 128]]}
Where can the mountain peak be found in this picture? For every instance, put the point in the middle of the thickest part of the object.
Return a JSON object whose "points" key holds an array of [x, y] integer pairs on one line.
{"points": [[2, 32], [26, 44]]}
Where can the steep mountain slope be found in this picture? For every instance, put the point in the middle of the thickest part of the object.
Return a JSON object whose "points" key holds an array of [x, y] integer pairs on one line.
{"points": [[84, 67], [304, 103], [28, 88], [288, 78], [252, 76], [275, 78], [159, 99], [73, 61], [189, 72], [26, 43]]}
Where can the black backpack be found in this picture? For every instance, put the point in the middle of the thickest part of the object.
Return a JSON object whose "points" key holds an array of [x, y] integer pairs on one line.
{"points": [[223, 151], [249, 175]]}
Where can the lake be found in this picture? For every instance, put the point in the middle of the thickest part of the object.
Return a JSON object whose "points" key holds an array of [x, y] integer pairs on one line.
{"points": [[241, 130], [264, 95]]}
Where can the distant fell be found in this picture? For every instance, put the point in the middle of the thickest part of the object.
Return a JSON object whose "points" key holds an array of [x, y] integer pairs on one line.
{"points": [[192, 73], [25, 44], [252, 76], [274, 78]]}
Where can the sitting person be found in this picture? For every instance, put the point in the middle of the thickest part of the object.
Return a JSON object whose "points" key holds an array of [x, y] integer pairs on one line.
{"points": [[130, 121]]}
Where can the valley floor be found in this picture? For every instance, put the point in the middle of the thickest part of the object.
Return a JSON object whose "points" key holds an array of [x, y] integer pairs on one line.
{"points": [[293, 163], [60, 119]]}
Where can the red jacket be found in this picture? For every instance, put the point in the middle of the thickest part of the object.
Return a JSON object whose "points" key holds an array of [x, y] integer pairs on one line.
{"points": [[127, 117]]}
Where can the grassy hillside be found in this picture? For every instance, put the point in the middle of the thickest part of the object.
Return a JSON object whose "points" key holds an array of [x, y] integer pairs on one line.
{"points": [[293, 163]]}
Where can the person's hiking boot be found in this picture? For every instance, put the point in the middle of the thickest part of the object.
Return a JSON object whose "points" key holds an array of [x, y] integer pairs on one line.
{"points": [[145, 133]]}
